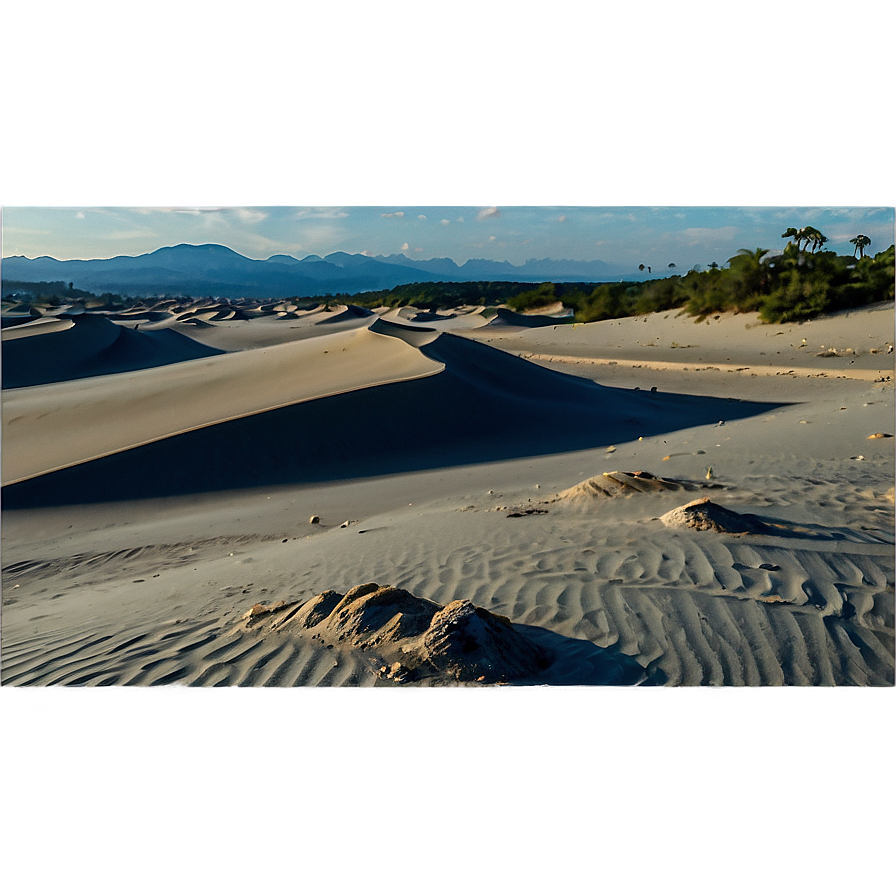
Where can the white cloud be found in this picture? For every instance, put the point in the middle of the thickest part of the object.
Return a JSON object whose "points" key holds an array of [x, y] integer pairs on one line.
{"points": [[80, 215], [490, 212], [562, 218], [321, 212], [421, 217], [392, 215], [250, 216], [445, 222], [491, 239], [404, 247], [460, 220]]}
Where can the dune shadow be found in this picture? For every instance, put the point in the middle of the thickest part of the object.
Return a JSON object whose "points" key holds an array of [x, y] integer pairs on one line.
{"points": [[485, 406]]}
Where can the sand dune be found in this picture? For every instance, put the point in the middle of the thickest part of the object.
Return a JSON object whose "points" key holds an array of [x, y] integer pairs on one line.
{"points": [[505, 318], [37, 327], [462, 319], [92, 346], [449, 401], [409, 444], [112, 413]]}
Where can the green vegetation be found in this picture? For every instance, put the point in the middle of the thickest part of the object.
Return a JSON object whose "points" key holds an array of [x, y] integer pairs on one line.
{"points": [[800, 283]]}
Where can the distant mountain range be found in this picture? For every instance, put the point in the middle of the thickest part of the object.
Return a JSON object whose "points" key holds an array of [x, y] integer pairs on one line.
{"points": [[218, 271]]}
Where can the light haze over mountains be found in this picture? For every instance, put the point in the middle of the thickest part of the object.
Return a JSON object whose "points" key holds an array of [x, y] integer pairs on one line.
{"points": [[213, 269]]}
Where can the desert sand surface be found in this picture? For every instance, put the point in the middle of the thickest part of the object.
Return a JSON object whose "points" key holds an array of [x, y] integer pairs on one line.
{"points": [[563, 479]]}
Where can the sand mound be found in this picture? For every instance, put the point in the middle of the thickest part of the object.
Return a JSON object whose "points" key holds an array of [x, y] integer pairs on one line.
{"points": [[412, 638], [612, 485], [703, 514]]}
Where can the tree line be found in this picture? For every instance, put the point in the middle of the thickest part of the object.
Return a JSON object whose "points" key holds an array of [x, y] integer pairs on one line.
{"points": [[801, 282]]}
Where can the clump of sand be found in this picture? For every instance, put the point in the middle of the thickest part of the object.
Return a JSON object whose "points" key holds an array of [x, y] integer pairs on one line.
{"points": [[703, 514], [412, 637], [618, 483]]}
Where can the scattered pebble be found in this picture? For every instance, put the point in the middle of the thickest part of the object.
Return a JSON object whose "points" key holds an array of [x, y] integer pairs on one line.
{"points": [[314, 520], [881, 435]]}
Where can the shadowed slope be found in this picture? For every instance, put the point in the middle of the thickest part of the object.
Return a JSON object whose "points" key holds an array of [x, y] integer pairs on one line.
{"points": [[94, 346], [484, 406]]}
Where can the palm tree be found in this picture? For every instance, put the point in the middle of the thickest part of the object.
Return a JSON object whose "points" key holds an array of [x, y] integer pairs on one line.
{"points": [[860, 242], [815, 236], [641, 267], [714, 266], [794, 236], [671, 265]]}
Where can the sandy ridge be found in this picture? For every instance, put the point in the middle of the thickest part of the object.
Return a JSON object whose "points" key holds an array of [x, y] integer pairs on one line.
{"points": [[770, 370]]}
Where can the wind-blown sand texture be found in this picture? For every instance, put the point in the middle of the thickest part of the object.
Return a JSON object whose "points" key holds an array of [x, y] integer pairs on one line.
{"points": [[159, 482]]}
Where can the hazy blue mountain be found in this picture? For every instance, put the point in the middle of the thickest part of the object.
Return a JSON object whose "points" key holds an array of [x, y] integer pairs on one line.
{"points": [[216, 270]]}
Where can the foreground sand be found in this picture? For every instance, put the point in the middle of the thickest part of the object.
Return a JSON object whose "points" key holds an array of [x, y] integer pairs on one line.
{"points": [[135, 568]]}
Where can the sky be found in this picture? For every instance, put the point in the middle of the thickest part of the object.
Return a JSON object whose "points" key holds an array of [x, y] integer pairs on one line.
{"points": [[626, 236], [290, 152]]}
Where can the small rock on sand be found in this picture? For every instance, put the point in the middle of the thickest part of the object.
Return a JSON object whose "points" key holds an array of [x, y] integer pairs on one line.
{"points": [[314, 520], [881, 435]]}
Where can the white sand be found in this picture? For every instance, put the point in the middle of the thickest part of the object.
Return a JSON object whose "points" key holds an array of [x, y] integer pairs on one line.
{"points": [[151, 590]]}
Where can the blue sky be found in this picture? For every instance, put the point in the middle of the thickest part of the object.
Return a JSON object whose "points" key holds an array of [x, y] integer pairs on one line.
{"points": [[619, 235], [675, 108]]}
